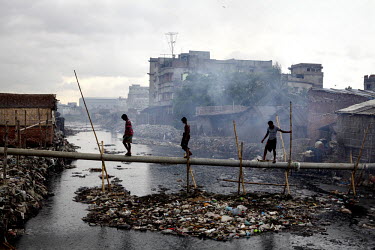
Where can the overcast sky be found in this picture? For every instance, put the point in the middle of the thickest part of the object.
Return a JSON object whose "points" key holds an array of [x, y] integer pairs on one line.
{"points": [[109, 42]]}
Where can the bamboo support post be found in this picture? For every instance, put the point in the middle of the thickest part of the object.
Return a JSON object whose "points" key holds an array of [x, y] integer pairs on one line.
{"points": [[18, 142], [257, 183], [5, 161], [358, 160], [16, 135], [351, 175], [46, 132], [93, 129], [102, 152], [240, 176], [236, 138], [187, 171], [40, 130], [24, 133], [239, 152], [281, 138], [286, 188], [193, 178]]}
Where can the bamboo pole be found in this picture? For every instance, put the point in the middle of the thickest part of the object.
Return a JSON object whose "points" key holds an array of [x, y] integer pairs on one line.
{"points": [[187, 171], [236, 137], [240, 176], [5, 161], [31, 126], [290, 152], [352, 177], [102, 152], [93, 129], [257, 183], [46, 132], [239, 152], [281, 138], [24, 133], [193, 178], [17, 135], [358, 160], [40, 130]]}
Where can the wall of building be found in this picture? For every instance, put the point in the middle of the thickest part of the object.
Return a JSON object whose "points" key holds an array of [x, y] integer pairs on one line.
{"points": [[322, 106], [350, 131], [31, 136], [369, 82], [166, 75], [305, 76]]}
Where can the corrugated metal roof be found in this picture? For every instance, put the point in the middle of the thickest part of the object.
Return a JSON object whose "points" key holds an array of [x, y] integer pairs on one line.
{"points": [[366, 93], [8, 100], [364, 108]]}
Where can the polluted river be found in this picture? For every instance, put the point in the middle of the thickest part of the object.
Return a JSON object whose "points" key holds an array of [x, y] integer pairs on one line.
{"points": [[59, 223]]}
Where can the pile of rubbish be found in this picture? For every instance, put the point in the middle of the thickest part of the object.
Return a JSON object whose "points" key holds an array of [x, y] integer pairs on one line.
{"points": [[25, 187], [158, 132], [201, 214]]}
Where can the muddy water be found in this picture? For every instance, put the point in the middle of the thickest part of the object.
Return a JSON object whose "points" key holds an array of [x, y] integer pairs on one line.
{"points": [[59, 224]]}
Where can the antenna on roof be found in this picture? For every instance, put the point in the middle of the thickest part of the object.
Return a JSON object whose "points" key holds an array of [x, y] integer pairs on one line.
{"points": [[171, 39]]}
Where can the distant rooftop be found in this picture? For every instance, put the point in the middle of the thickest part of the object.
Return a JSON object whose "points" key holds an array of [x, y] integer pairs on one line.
{"points": [[366, 93], [311, 65], [8, 100], [364, 108]]}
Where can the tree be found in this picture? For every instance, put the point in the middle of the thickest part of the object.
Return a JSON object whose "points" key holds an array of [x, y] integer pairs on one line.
{"points": [[225, 88]]}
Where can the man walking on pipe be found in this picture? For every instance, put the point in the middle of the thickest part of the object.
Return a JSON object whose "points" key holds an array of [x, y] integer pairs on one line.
{"points": [[271, 143]]}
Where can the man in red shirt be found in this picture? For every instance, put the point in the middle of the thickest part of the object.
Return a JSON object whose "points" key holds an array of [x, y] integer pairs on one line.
{"points": [[185, 137], [128, 135]]}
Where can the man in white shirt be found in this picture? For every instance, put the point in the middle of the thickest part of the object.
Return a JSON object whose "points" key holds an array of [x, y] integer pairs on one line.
{"points": [[272, 141]]}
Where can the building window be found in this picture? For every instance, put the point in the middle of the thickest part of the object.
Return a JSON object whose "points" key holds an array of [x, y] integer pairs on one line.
{"points": [[300, 76], [368, 86], [308, 69]]}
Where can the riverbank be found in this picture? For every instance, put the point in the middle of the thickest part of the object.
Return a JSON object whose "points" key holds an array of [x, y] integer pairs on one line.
{"points": [[25, 188]]}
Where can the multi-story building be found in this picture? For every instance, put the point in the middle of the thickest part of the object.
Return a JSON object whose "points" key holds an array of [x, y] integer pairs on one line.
{"points": [[167, 74], [304, 76], [138, 97], [103, 103], [369, 82]]}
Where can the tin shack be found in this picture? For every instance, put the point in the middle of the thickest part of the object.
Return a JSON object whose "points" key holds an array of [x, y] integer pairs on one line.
{"points": [[29, 119]]}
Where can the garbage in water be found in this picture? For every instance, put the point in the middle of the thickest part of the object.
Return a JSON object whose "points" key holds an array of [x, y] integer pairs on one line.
{"points": [[205, 215]]}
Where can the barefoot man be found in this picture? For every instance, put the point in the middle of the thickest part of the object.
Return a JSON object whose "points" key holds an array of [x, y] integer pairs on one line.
{"points": [[271, 143], [128, 134], [185, 137]]}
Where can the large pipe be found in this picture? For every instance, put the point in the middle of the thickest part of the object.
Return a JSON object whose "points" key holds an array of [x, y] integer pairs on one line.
{"points": [[180, 160]]}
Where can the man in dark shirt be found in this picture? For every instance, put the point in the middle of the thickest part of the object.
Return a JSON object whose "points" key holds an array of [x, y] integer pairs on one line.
{"points": [[271, 143], [185, 137], [128, 134]]}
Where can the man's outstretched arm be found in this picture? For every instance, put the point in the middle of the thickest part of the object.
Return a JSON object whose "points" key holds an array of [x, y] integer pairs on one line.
{"points": [[283, 131]]}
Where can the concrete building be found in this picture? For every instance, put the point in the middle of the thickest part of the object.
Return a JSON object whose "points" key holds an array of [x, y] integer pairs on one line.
{"points": [[167, 75], [369, 82], [138, 97], [104, 103], [304, 76], [96, 103], [69, 109]]}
